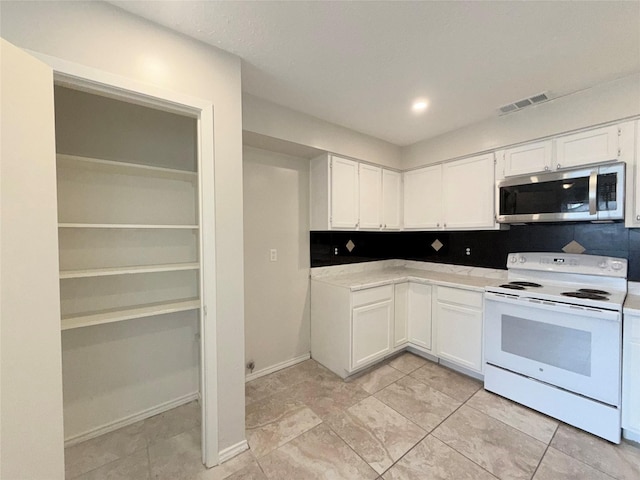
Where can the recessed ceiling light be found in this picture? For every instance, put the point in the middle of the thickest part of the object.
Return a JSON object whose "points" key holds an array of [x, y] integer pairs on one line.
{"points": [[419, 106]]}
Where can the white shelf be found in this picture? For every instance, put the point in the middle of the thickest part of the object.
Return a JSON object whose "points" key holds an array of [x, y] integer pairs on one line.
{"points": [[109, 166], [108, 271], [127, 225], [111, 316]]}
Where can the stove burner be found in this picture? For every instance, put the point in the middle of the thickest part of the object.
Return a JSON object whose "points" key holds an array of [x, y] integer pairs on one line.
{"points": [[512, 286], [595, 292], [526, 284], [581, 294]]}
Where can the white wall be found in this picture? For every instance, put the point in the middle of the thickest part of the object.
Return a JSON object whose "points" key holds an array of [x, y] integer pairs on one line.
{"points": [[276, 215], [604, 103], [266, 118], [101, 36]]}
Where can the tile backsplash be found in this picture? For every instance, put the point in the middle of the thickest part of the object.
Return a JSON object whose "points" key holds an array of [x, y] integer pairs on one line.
{"points": [[478, 248]]}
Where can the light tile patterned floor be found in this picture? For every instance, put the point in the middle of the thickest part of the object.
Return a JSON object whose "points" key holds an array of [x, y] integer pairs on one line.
{"points": [[407, 418]]}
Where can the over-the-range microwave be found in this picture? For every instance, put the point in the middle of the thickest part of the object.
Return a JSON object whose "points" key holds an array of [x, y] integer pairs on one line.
{"points": [[587, 194]]}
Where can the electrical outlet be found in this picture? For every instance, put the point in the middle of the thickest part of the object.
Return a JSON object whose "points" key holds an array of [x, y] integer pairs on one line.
{"points": [[468, 251], [273, 255]]}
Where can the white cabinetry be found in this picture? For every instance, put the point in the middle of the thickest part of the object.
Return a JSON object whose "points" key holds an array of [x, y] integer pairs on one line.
{"points": [[371, 325], [401, 315], [391, 200], [532, 157], [351, 195], [631, 377], [419, 315], [350, 330], [370, 197], [468, 193], [631, 153], [458, 317], [592, 146], [423, 198], [566, 151], [453, 195]]}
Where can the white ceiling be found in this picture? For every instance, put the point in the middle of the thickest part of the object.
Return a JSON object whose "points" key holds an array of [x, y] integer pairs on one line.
{"points": [[361, 64]]}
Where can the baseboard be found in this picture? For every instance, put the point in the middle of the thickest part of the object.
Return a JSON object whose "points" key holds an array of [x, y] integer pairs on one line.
{"points": [[464, 370], [631, 435], [276, 367], [230, 452], [131, 419]]}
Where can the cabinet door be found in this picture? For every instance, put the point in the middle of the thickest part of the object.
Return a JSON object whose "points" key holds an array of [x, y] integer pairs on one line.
{"points": [[370, 197], [371, 332], [420, 315], [582, 148], [401, 314], [458, 317], [634, 173], [423, 198], [391, 200], [344, 193], [630, 376], [530, 158], [468, 189]]}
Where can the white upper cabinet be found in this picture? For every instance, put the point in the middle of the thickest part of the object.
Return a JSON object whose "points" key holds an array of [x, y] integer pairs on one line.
{"points": [[370, 197], [567, 151], [630, 152], [533, 157], [423, 198], [344, 199], [592, 146], [468, 189], [391, 200], [351, 195]]}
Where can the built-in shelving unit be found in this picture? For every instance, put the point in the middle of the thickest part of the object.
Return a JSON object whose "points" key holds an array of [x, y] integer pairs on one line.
{"points": [[128, 237]]}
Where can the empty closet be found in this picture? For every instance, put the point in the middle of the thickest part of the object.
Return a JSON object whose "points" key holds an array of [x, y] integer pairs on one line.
{"points": [[130, 260]]}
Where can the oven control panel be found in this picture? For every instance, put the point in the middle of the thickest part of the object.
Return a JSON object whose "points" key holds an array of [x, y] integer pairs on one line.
{"points": [[568, 263]]}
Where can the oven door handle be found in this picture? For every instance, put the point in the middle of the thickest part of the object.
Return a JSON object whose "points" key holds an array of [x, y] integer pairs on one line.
{"points": [[541, 304], [593, 192]]}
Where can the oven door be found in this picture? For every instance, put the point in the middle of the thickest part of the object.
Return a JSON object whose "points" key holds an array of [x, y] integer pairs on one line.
{"points": [[574, 348]]}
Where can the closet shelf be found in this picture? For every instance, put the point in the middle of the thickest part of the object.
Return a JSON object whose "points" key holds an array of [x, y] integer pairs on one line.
{"points": [[118, 315], [125, 168], [128, 225], [109, 271]]}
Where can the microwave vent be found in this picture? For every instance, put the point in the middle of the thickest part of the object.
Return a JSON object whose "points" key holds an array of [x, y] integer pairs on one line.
{"points": [[525, 102]]}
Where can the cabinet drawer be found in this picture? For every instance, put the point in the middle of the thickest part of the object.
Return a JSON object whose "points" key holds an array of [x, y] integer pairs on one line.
{"points": [[371, 295], [459, 296]]}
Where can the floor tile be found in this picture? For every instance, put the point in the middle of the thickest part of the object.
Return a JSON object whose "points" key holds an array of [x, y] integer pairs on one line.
{"points": [[173, 422], [316, 454], [133, 467], [537, 425], [418, 402], [304, 371], [240, 466], [447, 381], [251, 472], [377, 433], [504, 451], [378, 378], [556, 464], [431, 459], [327, 397], [620, 461], [276, 420], [99, 451], [407, 362], [262, 387], [177, 458]]}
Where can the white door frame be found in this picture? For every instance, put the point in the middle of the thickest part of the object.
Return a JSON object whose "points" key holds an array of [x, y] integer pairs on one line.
{"points": [[97, 81]]}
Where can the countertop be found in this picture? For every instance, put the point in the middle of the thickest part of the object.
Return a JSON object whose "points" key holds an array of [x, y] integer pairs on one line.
{"points": [[386, 276], [632, 302]]}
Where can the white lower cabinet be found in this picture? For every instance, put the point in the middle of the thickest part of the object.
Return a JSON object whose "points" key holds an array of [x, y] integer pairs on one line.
{"points": [[350, 330], [631, 377], [371, 325], [458, 325], [401, 315], [419, 315]]}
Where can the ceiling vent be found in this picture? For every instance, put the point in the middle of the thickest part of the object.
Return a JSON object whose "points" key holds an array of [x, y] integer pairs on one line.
{"points": [[525, 102]]}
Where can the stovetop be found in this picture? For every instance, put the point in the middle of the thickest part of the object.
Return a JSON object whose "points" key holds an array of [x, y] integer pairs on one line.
{"points": [[585, 280]]}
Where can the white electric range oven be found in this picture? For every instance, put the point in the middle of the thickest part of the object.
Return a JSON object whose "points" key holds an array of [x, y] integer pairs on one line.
{"points": [[553, 337]]}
